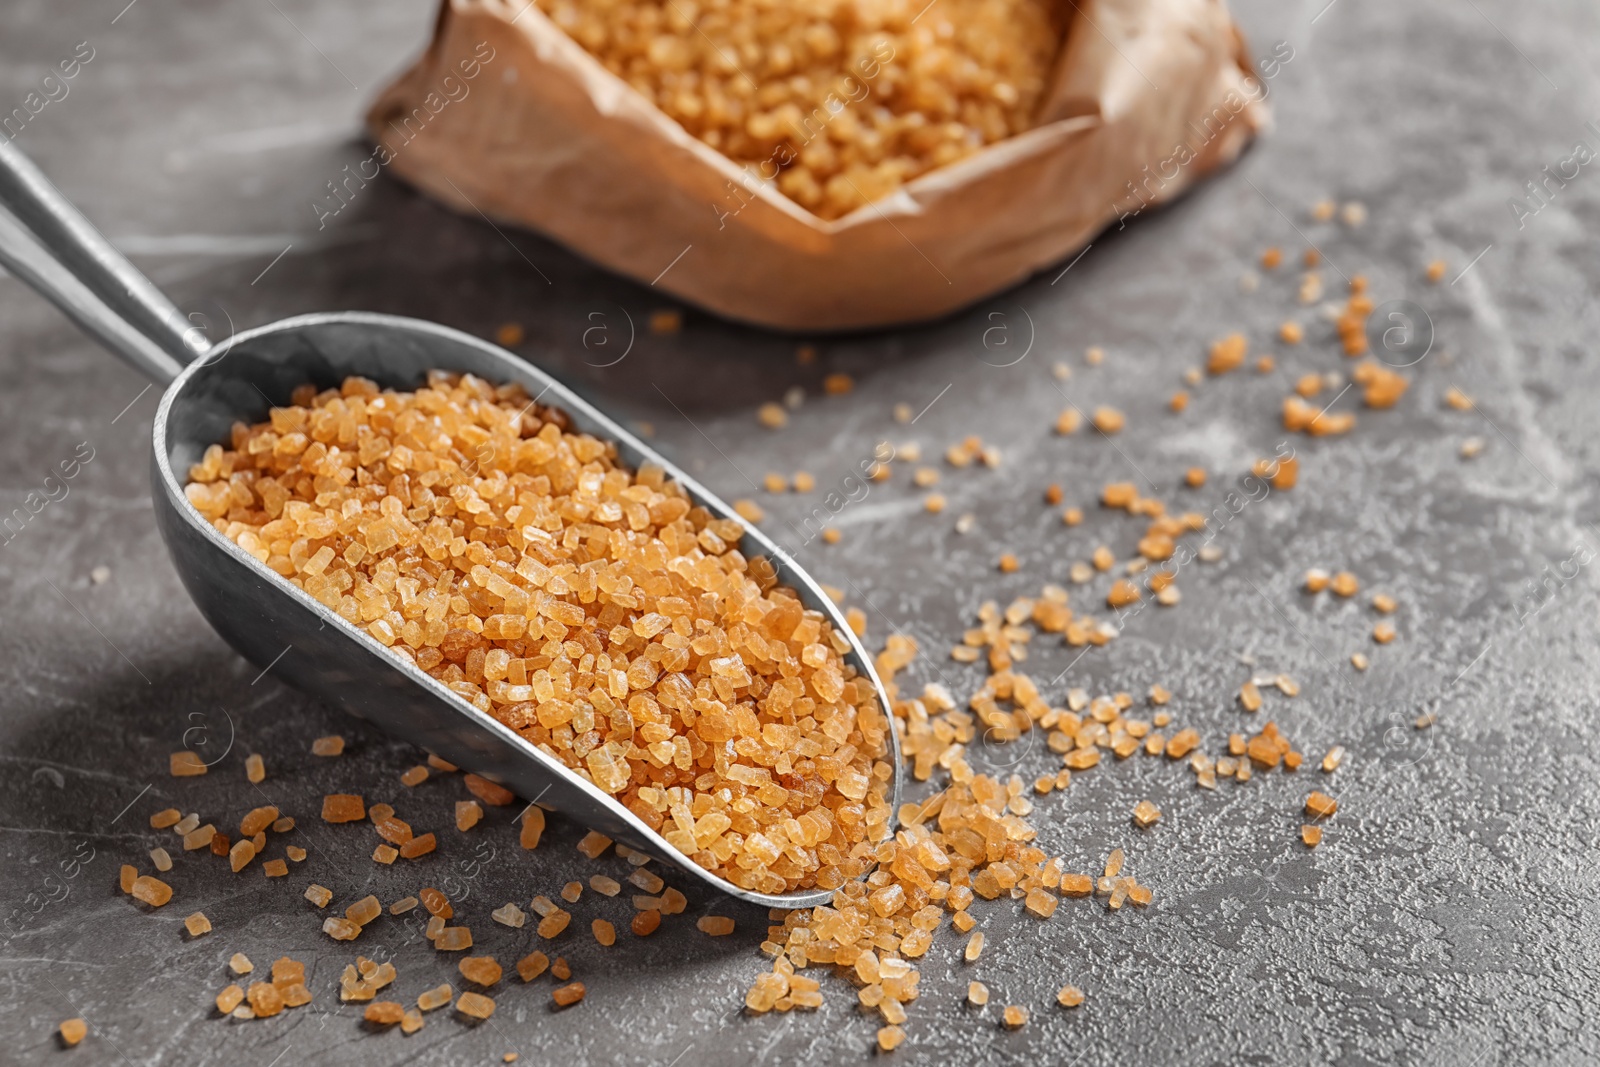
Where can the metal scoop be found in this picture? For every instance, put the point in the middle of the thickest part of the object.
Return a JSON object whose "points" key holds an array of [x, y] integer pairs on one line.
{"points": [[47, 243]]}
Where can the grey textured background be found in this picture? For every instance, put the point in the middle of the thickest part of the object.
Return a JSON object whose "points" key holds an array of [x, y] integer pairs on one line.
{"points": [[1448, 918]]}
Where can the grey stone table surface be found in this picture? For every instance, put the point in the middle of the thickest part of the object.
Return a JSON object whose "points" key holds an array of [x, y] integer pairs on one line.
{"points": [[1449, 916]]}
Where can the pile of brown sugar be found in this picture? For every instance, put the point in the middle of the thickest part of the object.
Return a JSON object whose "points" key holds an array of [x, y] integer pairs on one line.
{"points": [[593, 609], [840, 102]]}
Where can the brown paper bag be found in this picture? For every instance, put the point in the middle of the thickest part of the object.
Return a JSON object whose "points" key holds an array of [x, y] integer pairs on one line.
{"points": [[507, 115]]}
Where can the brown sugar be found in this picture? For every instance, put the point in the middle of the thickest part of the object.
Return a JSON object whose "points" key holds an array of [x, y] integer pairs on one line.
{"points": [[532, 827], [453, 939], [491, 793], [1320, 805], [1381, 387], [419, 846], [509, 915], [73, 1031], [1268, 748], [265, 999], [594, 844], [1146, 814], [553, 924], [186, 764], [715, 925], [436, 903], [199, 837], [480, 970], [437, 997], [287, 971], [1068, 421], [343, 807], [568, 995], [1182, 743], [770, 110], [1040, 904], [450, 563], [1123, 593], [532, 966], [1114, 863], [647, 880], [364, 910], [1108, 420], [328, 746], [1227, 354], [1076, 885], [152, 891], [1070, 996], [475, 1005], [1119, 495], [197, 924]]}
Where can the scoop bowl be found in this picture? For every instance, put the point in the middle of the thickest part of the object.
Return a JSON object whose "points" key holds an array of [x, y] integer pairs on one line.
{"points": [[264, 617]]}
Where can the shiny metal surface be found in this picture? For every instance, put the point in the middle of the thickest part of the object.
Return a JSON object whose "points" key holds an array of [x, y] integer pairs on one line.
{"points": [[266, 619], [23, 255], [48, 243]]}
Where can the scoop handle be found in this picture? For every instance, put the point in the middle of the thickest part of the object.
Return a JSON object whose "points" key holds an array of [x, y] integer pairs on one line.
{"points": [[47, 243]]}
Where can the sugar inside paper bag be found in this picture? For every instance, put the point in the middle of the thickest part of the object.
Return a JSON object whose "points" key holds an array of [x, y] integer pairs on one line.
{"points": [[507, 115]]}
